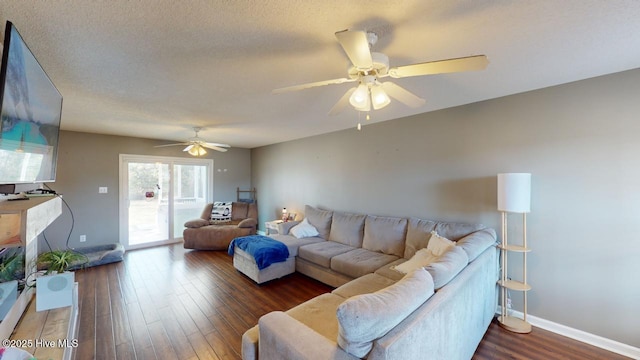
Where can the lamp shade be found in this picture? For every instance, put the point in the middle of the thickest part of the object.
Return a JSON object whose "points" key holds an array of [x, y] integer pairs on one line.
{"points": [[514, 192], [379, 98], [360, 99]]}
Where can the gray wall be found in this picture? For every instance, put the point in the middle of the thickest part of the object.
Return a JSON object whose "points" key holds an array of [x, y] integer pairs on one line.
{"points": [[88, 161], [579, 141]]}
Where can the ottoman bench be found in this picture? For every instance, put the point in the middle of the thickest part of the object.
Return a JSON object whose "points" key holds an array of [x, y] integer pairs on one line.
{"points": [[246, 264]]}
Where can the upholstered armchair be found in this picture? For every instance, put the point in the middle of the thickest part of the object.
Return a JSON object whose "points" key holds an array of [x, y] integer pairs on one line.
{"points": [[207, 234]]}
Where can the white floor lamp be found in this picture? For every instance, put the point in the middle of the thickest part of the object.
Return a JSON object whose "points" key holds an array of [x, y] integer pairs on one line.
{"points": [[514, 196]]}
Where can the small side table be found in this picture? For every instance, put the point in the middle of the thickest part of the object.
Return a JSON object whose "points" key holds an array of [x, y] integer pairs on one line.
{"points": [[271, 227]]}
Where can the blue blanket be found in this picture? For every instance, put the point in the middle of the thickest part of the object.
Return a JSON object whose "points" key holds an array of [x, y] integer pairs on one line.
{"points": [[264, 250]]}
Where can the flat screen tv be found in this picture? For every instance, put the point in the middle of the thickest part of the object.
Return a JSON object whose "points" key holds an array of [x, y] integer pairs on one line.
{"points": [[31, 112]]}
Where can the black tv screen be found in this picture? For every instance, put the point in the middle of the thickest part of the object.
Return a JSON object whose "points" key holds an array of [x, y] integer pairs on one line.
{"points": [[31, 112]]}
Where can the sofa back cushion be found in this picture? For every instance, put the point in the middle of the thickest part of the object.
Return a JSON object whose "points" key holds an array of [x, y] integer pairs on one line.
{"points": [[418, 235], [456, 231], [252, 211], [447, 266], [385, 234], [476, 243], [347, 229], [239, 210], [320, 219], [365, 318]]}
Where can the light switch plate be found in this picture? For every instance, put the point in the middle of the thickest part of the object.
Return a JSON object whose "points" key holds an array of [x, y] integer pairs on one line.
{"points": [[102, 190]]}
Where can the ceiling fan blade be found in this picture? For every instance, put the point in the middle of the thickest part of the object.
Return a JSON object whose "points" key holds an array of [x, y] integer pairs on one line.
{"points": [[188, 147], [404, 96], [176, 144], [340, 105], [213, 147], [470, 63], [356, 45], [215, 144], [311, 85]]}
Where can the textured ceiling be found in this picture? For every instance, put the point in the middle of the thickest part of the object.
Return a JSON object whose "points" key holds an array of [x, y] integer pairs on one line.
{"points": [[154, 69]]}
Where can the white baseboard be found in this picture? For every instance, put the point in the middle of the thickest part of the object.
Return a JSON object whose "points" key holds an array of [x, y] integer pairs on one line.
{"points": [[579, 335]]}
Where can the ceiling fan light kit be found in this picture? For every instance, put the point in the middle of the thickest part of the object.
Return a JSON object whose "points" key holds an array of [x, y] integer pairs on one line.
{"points": [[368, 67], [195, 150], [360, 99], [196, 146]]}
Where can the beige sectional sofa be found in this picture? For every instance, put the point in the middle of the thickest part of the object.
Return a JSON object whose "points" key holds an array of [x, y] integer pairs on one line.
{"points": [[440, 311]]}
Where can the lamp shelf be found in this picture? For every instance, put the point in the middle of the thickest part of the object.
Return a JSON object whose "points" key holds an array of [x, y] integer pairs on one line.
{"points": [[514, 248], [514, 196], [514, 285], [514, 324]]}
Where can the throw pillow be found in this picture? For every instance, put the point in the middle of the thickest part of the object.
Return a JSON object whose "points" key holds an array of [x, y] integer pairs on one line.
{"points": [[303, 230], [320, 219], [438, 244], [221, 211], [365, 318], [422, 258]]}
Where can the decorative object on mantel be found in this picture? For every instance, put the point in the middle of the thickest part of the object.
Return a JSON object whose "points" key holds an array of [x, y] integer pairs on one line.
{"points": [[514, 196]]}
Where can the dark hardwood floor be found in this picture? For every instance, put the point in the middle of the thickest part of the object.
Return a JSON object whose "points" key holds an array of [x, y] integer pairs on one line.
{"points": [[171, 303]]}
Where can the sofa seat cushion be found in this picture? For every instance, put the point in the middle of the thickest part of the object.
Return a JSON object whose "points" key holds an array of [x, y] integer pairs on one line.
{"points": [[213, 237], [359, 262], [322, 252], [319, 314], [389, 272], [294, 244], [385, 234], [363, 285], [365, 318]]}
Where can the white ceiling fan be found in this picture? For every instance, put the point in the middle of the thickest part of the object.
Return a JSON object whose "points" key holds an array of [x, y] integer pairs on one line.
{"points": [[196, 146], [368, 67]]}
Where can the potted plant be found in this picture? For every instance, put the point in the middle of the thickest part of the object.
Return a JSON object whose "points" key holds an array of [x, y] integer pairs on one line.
{"points": [[10, 266], [59, 260], [54, 288]]}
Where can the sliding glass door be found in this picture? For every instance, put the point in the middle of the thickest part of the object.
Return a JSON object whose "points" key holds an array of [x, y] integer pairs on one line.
{"points": [[157, 196]]}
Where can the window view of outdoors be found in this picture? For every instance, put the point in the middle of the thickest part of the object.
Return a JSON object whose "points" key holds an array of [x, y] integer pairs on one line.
{"points": [[149, 199]]}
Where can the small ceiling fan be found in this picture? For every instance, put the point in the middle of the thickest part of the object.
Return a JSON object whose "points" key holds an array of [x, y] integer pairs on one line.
{"points": [[196, 146], [368, 67]]}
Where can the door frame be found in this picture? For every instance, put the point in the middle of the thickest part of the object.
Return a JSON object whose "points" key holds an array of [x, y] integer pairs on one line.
{"points": [[123, 198]]}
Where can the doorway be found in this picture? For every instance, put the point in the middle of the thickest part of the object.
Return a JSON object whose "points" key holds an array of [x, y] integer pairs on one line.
{"points": [[158, 194]]}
